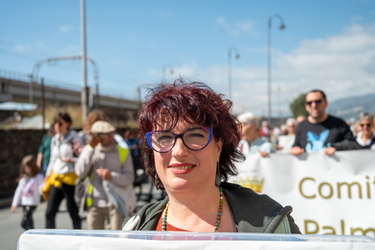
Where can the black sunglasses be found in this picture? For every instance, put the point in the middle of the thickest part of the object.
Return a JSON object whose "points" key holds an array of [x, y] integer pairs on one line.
{"points": [[365, 124], [317, 102]]}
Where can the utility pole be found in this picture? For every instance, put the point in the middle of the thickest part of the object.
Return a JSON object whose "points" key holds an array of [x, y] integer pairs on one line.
{"points": [[84, 63]]}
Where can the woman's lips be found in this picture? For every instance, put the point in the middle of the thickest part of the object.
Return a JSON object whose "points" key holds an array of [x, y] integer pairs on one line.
{"points": [[181, 167]]}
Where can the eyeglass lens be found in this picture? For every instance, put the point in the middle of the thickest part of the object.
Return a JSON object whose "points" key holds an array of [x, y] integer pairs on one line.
{"points": [[194, 139]]}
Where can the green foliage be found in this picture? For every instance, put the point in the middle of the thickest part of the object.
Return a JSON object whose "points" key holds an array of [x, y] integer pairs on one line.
{"points": [[297, 107]]}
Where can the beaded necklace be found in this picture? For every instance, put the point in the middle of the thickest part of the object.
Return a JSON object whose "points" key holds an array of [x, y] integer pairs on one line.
{"points": [[219, 213]]}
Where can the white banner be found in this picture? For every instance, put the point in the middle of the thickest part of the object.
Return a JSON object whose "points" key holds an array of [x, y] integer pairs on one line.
{"points": [[329, 194], [124, 240]]}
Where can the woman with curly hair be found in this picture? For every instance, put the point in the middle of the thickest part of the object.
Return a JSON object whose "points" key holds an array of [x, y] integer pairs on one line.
{"points": [[189, 144]]}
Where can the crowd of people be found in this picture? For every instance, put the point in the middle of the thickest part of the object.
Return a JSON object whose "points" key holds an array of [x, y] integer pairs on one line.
{"points": [[316, 132], [190, 143], [92, 170]]}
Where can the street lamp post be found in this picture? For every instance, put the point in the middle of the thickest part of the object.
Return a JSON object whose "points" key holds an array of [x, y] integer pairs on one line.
{"points": [[237, 56], [281, 27]]}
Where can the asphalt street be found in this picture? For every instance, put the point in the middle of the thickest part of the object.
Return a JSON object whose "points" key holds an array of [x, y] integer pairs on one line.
{"points": [[10, 223]]}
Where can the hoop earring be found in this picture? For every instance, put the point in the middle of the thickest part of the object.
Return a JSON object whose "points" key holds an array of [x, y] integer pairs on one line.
{"points": [[218, 177]]}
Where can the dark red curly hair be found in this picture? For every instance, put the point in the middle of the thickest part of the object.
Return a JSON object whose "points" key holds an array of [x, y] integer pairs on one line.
{"points": [[193, 102]]}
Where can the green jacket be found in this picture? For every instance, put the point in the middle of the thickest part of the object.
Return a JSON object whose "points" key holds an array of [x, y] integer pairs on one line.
{"points": [[252, 213]]}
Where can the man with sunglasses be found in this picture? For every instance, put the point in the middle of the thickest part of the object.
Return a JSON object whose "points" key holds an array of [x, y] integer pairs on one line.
{"points": [[321, 131]]}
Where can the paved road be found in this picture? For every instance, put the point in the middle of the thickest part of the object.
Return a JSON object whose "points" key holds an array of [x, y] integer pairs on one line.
{"points": [[10, 228]]}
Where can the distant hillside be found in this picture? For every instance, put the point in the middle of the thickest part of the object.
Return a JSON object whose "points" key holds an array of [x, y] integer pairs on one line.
{"points": [[351, 107]]}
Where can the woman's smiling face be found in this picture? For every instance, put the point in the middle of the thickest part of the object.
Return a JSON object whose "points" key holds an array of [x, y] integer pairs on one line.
{"points": [[181, 168]]}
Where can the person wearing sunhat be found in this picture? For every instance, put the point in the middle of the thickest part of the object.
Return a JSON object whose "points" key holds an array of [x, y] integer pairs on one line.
{"points": [[109, 169]]}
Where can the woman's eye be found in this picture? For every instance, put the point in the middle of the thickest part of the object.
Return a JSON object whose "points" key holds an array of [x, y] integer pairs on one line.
{"points": [[164, 137], [196, 135]]}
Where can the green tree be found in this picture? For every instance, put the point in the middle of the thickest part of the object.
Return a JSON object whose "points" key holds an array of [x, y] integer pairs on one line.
{"points": [[297, 107]]}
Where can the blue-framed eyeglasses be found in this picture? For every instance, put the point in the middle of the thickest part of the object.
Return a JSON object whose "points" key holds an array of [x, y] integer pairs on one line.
{"points": [[194, 139]]}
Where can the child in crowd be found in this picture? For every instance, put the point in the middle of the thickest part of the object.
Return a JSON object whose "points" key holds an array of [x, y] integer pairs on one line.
{"points": [[28, 192]]}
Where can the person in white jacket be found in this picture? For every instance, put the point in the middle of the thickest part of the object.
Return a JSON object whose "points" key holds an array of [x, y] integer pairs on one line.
{"points": [[109, 169], [60, 178], [28, 192]]}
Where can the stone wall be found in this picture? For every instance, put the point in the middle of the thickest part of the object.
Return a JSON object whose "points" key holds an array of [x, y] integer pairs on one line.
{"points": [[14, 145]]}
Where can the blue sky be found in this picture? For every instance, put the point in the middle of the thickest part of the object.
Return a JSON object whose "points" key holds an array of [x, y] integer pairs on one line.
{"points": [[327, 44]]}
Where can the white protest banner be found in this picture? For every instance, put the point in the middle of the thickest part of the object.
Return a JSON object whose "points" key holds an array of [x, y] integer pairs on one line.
{"points": [[329, 194], [55, 239]]}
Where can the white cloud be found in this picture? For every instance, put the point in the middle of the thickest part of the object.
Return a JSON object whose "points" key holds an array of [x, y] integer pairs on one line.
{"points": [[165, 13], [20, 48], [246, 26], [65, 29], [37, 47], [187, 71], [342, 65], [71, 50], [238, 28], [40, 47], [116, 62], [339, 64], [222, 23]]}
